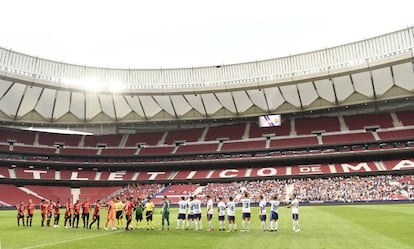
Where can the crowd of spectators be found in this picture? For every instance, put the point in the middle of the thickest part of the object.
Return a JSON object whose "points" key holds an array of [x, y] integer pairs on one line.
{"points": [[331, 189], [335, 189], [137, 191], [356, 188]]}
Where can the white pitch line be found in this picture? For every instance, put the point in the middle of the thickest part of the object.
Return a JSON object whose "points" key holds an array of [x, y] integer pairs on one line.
{"points": [[70, 240]]}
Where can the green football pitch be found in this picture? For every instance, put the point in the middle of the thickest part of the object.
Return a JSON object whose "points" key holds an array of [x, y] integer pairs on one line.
{"points": [[348, 226]]}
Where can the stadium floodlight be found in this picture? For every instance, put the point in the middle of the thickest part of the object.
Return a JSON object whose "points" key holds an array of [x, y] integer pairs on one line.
{"points": [[115, 86], [92, 85], [95, 85]]}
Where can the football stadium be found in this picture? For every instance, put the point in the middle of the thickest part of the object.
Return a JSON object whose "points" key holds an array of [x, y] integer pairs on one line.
{"points": [[309, 150]]}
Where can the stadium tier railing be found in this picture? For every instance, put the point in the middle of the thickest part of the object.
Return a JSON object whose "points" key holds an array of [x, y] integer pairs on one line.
{"points": [[57, 74]]}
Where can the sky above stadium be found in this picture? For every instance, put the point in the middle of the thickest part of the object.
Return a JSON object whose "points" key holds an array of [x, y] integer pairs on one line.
{"points": [[186, 33]]}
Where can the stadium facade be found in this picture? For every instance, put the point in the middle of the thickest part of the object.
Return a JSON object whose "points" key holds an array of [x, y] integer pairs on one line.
{"points": [[376, 73], [349, 105]]}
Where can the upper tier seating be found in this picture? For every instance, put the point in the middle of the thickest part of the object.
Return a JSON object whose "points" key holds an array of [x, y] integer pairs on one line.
{"points": [[362, 121], [34, 149], [348, 138], [4, 147], [18, 136], [406, 117], [164, 150], [244, 145], [111, 140], [237, 137], [283, 130], [51, 139], [119, 151], [396, 134], [78, 151], [230, 132], [305, 126], [151, 138], [197, 148], [190, 135], [293, 142]]}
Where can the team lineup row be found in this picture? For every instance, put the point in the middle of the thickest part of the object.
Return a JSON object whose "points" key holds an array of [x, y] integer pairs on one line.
{"points": [[189, 213]]}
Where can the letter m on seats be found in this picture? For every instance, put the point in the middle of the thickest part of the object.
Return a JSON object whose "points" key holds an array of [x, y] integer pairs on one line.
{"points": [[357, 168]]}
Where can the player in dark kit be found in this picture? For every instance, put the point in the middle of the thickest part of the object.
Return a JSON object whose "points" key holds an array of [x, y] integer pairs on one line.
{"points": [[30, 210], [165, 212], [139, 208], [76, 214], [56, 213], [129, 207], [96, 214], [20, 213], [86, 206], [68, 212]]}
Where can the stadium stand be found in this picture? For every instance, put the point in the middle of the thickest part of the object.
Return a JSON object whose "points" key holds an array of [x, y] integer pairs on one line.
{"points": [[137, 190], [10, 195], [396, 134], [96, 193], [119, 151], [51, 139], [188, 135], [373, 187], [78, 174], [78, 151], [243, 145], [4, 147], [174, 192], [197, 148], [150, 138], [160, 150], [362, 121], [406, 117], [333, 189], [34, 149], [226, 132], [306, 126], [284, 130], [293, 142], [347, 138], [111, 140], [30, 173], [185, 174], [17, 136], [51, 192], [4, 172], [339, 156]]}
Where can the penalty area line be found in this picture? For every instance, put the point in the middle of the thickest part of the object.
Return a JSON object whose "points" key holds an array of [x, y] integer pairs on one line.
{"points": [[70, 240]]}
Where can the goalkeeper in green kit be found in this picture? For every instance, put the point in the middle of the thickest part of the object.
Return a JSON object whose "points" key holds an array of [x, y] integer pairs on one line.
{"points": [[165, 212], [139, 209]]}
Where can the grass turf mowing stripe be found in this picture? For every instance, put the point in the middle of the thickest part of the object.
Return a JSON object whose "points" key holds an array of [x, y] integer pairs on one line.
{"points": [[392, 221], [70, 240], [336, 227]]}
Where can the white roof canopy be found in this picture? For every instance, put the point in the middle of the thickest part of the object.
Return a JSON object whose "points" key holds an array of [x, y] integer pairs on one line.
{"points": [[42, 91]]}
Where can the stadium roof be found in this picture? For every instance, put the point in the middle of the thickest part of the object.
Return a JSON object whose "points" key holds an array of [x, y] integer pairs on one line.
{"points": [[184, 33], [35, 90]]}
